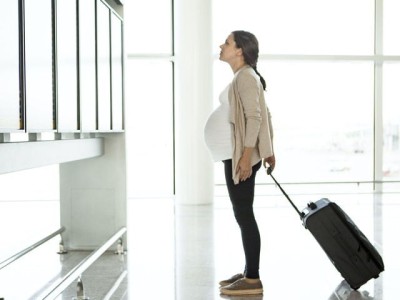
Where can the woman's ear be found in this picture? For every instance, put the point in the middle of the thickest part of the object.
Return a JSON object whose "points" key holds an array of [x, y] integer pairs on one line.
{"points": [[239, 52]]}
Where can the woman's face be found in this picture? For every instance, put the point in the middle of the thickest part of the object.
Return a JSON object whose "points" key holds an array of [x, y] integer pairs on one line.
{"points": [[229, 51]]}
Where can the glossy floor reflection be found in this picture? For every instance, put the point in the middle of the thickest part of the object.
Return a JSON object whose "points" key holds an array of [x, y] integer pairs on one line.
{"points": [[207, 248], [181, 252]]}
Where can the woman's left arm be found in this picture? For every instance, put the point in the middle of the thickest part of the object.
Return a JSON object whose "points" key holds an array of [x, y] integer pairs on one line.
{"points": [[249, 92]]}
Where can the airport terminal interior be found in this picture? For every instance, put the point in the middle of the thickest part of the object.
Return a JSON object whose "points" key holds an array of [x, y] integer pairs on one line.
{"points": [[108, 190]]}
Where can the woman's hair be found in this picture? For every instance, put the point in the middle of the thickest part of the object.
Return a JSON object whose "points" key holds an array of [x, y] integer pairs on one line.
{"points": [[249, 45]]}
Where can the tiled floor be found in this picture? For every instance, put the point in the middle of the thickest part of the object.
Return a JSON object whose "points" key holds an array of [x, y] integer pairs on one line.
{"points": [[180, 253]]}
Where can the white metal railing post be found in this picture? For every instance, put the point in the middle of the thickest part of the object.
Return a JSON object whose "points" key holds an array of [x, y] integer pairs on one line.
{"points": [[62, 248], [80, 292], [120, 247]]}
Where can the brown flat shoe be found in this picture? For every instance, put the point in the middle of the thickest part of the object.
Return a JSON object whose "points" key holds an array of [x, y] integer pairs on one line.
{"points": [[231, 280], [243, 286]]}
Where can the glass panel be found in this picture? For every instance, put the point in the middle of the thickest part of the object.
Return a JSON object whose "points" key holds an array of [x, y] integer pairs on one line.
{"points": [[117, 76], [103, 67], [87, 64], [322, 114], [9, 71], [67, 76], [391, 25], [391, 121], [149, 128], [148, 26], [300, 27], [39, 65]]}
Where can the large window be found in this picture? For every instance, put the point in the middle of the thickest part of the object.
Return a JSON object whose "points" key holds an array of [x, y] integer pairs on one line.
{"points": [[322, 113], [323, 116], [149, 27], [391, 121], [319, 59], [391, 92], [149, 98], [149, 129], [391, 25], [300, 27]]}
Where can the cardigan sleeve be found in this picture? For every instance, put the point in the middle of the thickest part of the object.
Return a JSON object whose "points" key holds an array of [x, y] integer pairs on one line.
{"points": [[249, 92], [271, 129]]}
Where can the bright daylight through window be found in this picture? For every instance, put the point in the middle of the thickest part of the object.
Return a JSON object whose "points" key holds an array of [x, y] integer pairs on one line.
{"points": [[330, 93]]}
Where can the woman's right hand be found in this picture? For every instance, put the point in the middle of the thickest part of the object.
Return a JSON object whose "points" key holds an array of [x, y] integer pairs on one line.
{"points": [[270, 161]]}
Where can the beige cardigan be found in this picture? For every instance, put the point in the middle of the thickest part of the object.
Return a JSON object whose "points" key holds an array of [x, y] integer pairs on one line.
{"points": [[250, 117]]}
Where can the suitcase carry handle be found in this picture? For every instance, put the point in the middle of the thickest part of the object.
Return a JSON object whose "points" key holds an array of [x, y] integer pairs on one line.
{"points": [[301, 214]]}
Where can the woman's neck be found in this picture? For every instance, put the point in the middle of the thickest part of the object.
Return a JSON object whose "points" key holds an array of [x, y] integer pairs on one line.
{"points": [[237, 66]]}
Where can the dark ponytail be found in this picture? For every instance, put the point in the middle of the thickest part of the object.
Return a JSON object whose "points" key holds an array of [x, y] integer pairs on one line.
{"points": [[249, 45], [264, 84]]}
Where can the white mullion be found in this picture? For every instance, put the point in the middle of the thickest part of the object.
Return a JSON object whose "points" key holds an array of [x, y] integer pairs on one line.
{"points": [[378, 135], [378, 99]]}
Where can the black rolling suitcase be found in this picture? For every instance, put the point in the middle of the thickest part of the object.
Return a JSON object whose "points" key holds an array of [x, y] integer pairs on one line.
{"points": [[349, 250]]}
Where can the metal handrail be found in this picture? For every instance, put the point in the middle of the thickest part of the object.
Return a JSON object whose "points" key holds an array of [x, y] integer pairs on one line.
{"points": [[30, 248], [59, 286], [116, 285]]}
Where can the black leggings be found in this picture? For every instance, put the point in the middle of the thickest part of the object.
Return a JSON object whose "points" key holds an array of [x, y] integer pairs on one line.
{"points": [[242, 198]]}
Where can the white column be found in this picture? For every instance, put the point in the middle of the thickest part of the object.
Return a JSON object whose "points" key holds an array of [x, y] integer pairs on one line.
{"points": [[193, 96]]}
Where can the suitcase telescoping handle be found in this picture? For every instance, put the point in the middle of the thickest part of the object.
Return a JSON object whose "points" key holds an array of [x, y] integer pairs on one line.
{"points": [[269, 172]]}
